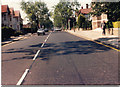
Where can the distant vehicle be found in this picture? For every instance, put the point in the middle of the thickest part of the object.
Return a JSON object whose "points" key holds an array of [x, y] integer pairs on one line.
{"points": [[46, 30], [40, 31], [57, 29], [52, 29]]}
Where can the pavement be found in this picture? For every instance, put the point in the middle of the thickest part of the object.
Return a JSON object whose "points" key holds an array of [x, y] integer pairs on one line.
{"points": [[15, 38], [96, 35]]}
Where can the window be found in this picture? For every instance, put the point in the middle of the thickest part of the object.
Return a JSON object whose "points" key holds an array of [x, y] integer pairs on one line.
{"points": [[10, 18], [18, 27], [99, 24], [17, 19], [11, 26], [99, 18], [4, 16]]}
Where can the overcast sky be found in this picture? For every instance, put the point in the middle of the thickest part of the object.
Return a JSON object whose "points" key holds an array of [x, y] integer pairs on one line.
{"points": [[16, 5]]}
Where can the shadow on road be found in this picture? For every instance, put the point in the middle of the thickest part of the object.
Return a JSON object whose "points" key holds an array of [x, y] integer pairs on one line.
{"points": [[56, 49], [72, 47], [28, 53], [113, 41], [107, 39]]}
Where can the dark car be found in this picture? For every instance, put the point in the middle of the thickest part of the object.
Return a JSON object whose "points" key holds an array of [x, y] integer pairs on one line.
{"points": [[40, 31], [46, 30]]}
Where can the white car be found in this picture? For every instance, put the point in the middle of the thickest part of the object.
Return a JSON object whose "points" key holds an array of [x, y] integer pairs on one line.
{"points": [[57, 29], [40, 31]]}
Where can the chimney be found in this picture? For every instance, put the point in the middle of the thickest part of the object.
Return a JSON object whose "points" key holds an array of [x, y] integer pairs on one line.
{"points": [[82, 7], [86, 6]]}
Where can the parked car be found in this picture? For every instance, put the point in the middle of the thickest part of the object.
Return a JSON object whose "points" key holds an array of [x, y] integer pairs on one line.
{"points": [[57, 29], [41, 31], [52, 29], [46, 30]]}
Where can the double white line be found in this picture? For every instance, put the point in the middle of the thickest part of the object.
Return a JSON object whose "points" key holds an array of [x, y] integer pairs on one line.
{"points": [[27, 70]]}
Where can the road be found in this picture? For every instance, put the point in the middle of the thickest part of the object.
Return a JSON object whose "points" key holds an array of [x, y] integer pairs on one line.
{"points": [[64, 59]]}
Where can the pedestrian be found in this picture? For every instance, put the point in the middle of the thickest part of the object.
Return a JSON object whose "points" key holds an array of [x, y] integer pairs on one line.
{"points": [[103, 26]]}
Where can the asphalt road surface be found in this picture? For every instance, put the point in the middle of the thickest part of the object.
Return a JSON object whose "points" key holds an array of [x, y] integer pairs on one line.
{"points": [[63, 59]]}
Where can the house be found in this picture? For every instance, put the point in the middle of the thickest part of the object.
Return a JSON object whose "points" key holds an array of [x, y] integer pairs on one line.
{"points": [[96, 21], [28, 25], [11, 18], [17, 21], [86, 12], [5, 15]]}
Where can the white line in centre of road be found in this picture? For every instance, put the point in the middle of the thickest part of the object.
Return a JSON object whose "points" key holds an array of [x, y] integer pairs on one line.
{"points": [[23, 76], [27, 70], [42, 44], [36, 54], [41, 47]]}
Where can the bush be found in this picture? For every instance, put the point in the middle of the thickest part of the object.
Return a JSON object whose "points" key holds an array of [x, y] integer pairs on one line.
{"points": [[81, 21], [17, 33], [7, 32], [26, 30], [109, 24]]}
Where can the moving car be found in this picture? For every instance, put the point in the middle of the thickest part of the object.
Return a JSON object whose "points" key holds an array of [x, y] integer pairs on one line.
{"points": [[41, 31]]}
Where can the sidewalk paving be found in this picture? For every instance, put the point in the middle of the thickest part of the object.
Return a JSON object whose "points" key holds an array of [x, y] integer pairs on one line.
{"points": [[96, 35], [12, 39]]}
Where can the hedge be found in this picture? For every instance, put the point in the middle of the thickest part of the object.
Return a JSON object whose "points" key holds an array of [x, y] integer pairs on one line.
{"points": [[7, 32]]}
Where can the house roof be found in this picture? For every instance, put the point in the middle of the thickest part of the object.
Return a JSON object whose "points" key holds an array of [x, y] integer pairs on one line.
{"points": [[11, 11], [17, 13], [85, 11], [5, 8]]}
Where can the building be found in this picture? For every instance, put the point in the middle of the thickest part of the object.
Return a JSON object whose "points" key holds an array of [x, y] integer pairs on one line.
{"points": [[86, 12], [28, 25], [96, 21], [5, 15], [17, 21], [11, 18]]}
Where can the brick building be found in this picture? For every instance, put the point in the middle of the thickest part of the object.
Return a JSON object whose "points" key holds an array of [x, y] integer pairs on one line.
{"points": [[86, 12], [11, 18], [96, 21], [5, 15]]}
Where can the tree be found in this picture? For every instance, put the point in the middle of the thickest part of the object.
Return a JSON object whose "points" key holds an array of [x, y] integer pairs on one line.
{"points": [[112, 9], [81, 20], [37, 13], [63, 12]]}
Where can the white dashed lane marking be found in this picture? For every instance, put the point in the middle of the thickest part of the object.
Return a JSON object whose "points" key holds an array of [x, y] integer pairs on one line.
{"points": [[27, 70], [23, 76]]}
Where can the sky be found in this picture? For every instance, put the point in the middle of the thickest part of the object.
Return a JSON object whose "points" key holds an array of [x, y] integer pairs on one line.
{"points": [[16, 5]]}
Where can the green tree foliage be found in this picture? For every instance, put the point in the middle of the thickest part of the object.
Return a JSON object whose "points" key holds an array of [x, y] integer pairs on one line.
{"points": [[81, 20], [63, 12], [112, 9], [7, 32], [37, 13]]}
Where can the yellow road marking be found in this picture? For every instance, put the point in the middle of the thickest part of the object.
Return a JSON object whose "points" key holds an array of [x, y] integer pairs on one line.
{"points": [[107, 46], [13, 42], [96, 42]]}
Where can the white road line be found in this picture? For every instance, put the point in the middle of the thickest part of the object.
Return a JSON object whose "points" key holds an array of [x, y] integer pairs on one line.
{"points": [[45, 40], [23, 76], [36, 54], [42, 44], [27, 70], [41, 47]]}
